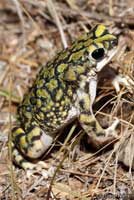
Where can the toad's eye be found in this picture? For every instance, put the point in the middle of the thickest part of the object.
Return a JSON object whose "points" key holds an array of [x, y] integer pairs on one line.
{"points": [[98, 54]]}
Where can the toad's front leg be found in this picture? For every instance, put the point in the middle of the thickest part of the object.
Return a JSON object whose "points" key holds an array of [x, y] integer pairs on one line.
{"points": [[89, 123]]}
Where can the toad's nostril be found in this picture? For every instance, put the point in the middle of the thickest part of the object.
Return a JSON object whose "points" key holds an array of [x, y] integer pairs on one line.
{"points": [[114, 42]]}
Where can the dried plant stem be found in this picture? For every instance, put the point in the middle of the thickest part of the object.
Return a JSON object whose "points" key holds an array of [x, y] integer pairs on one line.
{"points": [[10, 136], [15, 195], [55, 16], [19, 11]]}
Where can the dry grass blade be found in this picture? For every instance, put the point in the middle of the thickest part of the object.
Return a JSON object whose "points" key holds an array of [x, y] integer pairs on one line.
{"points": [[72, 4], [111, 12], [106, 165], [20, 14], [13, 186], [55, 16]]}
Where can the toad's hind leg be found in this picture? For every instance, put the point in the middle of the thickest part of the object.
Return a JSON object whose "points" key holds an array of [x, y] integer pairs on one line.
{"points": [[29, 146]]}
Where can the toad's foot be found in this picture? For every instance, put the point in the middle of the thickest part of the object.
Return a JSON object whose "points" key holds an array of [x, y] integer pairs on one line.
{"points": [[124, 80], [104, 137], [39, 168], [110, 131]]}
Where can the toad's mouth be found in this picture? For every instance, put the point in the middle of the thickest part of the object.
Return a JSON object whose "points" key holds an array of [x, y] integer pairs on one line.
{"points": [[111, 53]]}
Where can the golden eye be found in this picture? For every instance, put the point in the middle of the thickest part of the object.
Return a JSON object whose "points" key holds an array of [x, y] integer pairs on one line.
{"points": [[98, 54]]}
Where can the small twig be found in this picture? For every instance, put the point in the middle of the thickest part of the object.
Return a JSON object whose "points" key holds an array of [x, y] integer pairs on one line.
{"points": [[89, 175]]}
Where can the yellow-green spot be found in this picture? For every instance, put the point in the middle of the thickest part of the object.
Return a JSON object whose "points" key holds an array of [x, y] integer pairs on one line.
{"points": [[64, 113], [48, 115], [60, 108], [76, 56], [40, 82], [46, 72], [91, 48], [51, 114], [42, 93], [62, 67], [67, 100], [43, 109], [51, 72], [39, 102], [28, 114], [59, 94], [26, 100], [18, 132], [62, 102], [80, 69], [34, 132], [87, 42], [63, 55], [104, 38], [99, 44], [48, 107], [23, 141], [77, 46], [41, 115], [100, 30], [70, 75], [83, 37], [57, 104], [51, 103], [52, 84], [37, 116]]}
